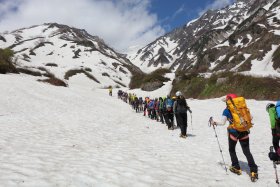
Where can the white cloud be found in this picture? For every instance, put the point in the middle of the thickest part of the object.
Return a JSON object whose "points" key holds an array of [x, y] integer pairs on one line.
{"points": [[217, 4], [121, 23], [180, 10]]}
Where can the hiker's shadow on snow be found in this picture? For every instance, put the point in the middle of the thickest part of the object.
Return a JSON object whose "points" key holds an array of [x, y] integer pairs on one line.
{"points": [[191, 135], [244, 166]]}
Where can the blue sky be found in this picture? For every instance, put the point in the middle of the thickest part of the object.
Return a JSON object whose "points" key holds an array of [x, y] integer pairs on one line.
{"points": [[175, 13], [121, 23]]}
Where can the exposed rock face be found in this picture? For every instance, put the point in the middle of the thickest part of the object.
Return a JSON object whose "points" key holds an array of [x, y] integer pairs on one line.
{"points": [[235, 38], [151, 86]]}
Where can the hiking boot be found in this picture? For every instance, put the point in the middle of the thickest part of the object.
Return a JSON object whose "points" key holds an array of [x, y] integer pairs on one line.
{"points": [[254, 176], [235, 170], [183, 136]]}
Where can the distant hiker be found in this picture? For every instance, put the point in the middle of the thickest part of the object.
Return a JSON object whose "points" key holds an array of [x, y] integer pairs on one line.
{"points": [[274, 116], [150, 108], [239, 118], [169, 117], [136, 104], [120, 92], [146, 102], [180, 109], [129, 98], [140, 104], [160, 110], [155, 109], [110, 90]]}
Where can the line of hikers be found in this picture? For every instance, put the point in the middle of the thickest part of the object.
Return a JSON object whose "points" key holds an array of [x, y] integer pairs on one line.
{"points": [[162, 109], [236, 113]]}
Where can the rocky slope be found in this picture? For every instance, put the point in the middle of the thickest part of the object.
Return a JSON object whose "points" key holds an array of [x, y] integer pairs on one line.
{"points": [[61, 51], [243, 37]]}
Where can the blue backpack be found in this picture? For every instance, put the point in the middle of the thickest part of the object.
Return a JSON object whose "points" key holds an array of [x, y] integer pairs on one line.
{"points": [[277, 107], [151, 104], [169, 102]]}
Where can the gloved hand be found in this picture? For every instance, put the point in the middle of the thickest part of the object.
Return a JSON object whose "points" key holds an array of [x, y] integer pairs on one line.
{"points": [[214, 123], [273, 156]]}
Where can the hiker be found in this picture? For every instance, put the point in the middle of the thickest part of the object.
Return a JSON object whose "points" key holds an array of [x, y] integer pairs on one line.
{"points": [[274, 116], [150, 108], [110, 90], [237, 119], [169, 117], [160, 109], [155, 109], [140, 104], [168, 113], [146, 102], [180, 109], [136, 104]]}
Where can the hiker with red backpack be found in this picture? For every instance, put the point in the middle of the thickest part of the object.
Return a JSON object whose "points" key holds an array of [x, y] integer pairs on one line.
{"points": [[239, 118]]}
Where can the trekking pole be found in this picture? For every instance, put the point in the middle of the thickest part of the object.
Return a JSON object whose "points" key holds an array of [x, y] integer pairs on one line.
{"points": [[275, 168], [191, 122], [276, 175], [210, 124]]}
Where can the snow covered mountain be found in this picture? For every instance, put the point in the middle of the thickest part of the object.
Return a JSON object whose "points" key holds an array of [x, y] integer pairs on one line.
{"points": [[242, 37], [61, 51]]}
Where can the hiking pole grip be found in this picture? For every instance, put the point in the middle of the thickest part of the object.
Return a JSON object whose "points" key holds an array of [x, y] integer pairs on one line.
{"points": [[210, 121]]}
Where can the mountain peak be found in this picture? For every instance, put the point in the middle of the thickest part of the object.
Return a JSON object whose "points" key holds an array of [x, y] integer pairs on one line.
{"points": [[238, 38], [53, 49]]}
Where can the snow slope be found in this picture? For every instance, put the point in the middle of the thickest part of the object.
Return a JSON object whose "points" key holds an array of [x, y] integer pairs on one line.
{"points": [[53, 136], [67, 48]]}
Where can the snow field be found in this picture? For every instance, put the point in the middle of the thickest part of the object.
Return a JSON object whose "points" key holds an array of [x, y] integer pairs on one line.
{"points": [[79, 136]]}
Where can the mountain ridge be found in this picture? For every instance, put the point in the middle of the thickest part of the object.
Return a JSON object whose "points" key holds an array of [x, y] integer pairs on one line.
{"points": [[201, 44], [67, 49]]}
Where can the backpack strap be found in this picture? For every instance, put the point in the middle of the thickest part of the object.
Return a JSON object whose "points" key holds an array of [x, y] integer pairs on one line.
{"points": [[236, 110]]}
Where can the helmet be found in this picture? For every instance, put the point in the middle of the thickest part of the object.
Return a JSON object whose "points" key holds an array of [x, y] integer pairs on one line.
{"points": [[231, 96], [269, 105], [178, 93]]}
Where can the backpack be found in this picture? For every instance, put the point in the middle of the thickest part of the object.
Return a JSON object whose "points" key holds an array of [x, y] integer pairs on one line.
{"points": [[169, 102], [272, 117], [277, 107], [242, 120], [151, 104]]}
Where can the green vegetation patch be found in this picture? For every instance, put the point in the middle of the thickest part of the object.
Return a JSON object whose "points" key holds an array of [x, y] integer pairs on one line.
{"points": [[218, 85], [6, 64]]}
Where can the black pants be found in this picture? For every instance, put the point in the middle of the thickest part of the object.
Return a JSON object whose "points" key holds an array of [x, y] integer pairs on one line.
{"points": [[169, 119], [275, 142], [182, 122], [246, 150], [275, 139], [178, 125], [161, 115]]}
